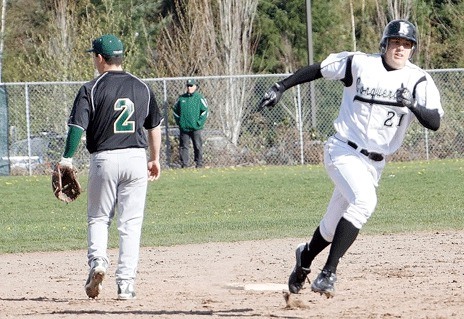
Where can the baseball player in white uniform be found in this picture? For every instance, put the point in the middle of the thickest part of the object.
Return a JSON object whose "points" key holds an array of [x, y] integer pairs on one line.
{"points": [[382, 94]]}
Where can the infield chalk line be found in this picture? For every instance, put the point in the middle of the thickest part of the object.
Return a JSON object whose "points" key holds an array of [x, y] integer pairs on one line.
{"points": [[257, 287]]}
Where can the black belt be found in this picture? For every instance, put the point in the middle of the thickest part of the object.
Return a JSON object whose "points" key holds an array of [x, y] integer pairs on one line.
{"points": [[372, 155]]}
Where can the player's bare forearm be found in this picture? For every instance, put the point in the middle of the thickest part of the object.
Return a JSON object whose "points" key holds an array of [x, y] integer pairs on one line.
{"points": [[154, 146], [154, 143]]}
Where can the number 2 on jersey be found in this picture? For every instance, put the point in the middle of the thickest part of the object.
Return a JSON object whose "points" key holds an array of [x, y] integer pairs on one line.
{"points": [[122, 123]]}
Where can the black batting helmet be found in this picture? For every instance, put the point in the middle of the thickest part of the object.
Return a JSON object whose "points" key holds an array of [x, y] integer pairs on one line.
{"points": [[399, 29]]}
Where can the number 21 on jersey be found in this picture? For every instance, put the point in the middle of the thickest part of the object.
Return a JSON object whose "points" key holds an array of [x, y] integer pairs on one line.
{"points": [[391, 119]]}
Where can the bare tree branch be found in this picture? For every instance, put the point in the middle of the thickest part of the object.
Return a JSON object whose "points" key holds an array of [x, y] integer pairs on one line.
{"points": [[212, 38]]}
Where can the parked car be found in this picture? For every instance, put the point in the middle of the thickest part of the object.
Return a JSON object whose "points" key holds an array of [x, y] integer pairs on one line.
{"points": [[45, 150]]}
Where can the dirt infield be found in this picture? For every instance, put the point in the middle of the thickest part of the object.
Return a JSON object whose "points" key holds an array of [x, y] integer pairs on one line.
{"points": [[387, 276]]}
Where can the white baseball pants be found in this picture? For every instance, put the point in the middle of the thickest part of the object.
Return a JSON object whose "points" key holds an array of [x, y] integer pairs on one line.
{"points": [[356, 178], [117, 183]]}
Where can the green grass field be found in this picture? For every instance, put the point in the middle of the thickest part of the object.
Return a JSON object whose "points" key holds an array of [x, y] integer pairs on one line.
{"points": [[232, 204]]}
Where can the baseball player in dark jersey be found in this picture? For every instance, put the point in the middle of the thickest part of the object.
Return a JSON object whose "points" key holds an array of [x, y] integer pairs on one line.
{"points": [[383, 93], [121, 119]]}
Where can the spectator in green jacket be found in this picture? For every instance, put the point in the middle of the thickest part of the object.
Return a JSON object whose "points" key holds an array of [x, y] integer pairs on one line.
{"points": [[190, 113]]}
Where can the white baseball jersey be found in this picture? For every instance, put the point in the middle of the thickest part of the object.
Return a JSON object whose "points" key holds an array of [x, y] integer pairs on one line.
{"points": [[369, 114]]}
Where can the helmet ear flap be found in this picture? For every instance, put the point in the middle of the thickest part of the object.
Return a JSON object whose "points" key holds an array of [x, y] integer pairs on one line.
{"points": [[413, 50], [383, 46]]}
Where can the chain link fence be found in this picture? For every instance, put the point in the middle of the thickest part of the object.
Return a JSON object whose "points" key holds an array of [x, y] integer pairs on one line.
{"points": [[291, 133]]}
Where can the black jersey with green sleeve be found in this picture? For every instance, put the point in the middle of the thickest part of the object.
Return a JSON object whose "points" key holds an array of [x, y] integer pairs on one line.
{"points": [[114, 109]]}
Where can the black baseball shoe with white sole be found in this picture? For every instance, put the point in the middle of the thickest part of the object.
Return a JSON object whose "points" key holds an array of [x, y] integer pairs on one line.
{"points": [[325, 283], [299, 274]]}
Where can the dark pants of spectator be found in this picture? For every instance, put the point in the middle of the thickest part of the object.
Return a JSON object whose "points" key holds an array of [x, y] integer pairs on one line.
{"points": [[184, 146]]}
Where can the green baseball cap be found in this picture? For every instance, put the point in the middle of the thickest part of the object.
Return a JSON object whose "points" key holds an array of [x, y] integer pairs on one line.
{"points": [[108, 45], [191, 82]]}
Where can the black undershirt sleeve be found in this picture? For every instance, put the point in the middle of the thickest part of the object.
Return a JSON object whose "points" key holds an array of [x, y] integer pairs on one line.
{"points": [[306, 74], [428, 118]]}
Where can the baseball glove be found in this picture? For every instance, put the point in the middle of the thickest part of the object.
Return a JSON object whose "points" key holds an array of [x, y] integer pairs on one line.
{"points": [[65, 185]]}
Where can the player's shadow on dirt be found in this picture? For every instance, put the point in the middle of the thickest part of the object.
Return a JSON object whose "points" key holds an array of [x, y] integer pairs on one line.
{"points": [[221, 313], [36, 299]]}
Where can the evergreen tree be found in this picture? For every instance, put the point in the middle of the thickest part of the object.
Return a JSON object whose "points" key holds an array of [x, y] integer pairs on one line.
{"points": [[54, 34]]}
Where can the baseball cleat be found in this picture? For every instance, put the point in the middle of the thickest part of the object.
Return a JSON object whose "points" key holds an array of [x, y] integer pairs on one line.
{"points": [[299, 274], [324, 283], [97, 273], [126, 290]]}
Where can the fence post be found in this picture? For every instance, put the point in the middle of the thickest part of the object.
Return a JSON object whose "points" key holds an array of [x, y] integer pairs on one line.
{"points": [[4, 133], [166, 123], [426, 143], [28, 128], [300, 126]]}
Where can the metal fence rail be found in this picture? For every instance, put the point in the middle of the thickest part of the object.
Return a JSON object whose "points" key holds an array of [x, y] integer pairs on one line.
{"points": [[291, 133]]}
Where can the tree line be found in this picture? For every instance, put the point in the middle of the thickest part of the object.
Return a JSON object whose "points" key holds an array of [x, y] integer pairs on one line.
{"points": [[45, 40]]}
